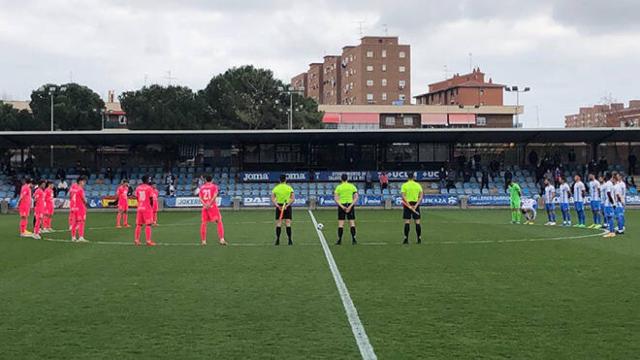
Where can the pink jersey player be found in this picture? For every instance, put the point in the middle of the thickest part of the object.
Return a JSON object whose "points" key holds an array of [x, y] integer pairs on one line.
{"points": [[39, 208], [72, 202], [78, 209], [48, 206], [210, 213], [24, 204], [144, 216], [24, 207], [122, 195]]}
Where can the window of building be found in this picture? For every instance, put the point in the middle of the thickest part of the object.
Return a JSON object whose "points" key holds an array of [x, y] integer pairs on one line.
{"points": [[407, 121], [369, 54], [402, 68], [384, 53], [481, 91], [402, 84], [369, 97], [390, 121], [369, 68], [384, 96], [384, 82], [384, 67], [402, 97], [369, 82], [481, 121], [402, 55]]}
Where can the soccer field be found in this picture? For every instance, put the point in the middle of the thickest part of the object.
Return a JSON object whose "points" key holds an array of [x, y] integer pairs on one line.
{"points": [[477, 287]]}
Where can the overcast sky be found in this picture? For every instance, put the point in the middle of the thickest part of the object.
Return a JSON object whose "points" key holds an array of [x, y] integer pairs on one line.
{"points": [[571, 53]]}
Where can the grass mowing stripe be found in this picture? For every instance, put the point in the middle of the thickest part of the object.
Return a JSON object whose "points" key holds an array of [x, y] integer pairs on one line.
{"points": [[366, 350]]}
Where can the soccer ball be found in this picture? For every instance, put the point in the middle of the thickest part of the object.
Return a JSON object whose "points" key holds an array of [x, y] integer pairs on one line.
{"points": [[320, 226]]}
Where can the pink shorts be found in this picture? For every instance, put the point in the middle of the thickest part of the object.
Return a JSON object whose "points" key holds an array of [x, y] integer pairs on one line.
{"points": [[79, 215], [211, 214], [48, 210], [123, 207], [39, 213], [144, 217], [24, 211]]}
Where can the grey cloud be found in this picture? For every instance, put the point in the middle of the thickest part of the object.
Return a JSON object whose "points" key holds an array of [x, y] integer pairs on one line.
{"points": [[598, 16]]}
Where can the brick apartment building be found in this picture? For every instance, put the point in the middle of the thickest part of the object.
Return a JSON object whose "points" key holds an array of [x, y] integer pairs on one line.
{"points": [[467, 89], [314, 83], [331, 75], [614, 115], [376, 72]]}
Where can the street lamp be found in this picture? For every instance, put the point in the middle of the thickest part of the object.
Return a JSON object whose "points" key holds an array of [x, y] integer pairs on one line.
{"points": [[517, 90], [290, 91], [51, 92]]}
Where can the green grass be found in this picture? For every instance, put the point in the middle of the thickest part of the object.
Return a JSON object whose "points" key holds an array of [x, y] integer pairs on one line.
{"points": [[477, 288]]}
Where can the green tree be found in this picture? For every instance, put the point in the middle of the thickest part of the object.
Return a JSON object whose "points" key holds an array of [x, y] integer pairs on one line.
{"points": [[12, 119], [250, 98], [76, 107], [165, 108]]}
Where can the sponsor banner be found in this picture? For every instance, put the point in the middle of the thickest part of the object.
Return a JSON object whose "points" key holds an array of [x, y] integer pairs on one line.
{"points": [[110, 202], [273, 176], [488, 200], [325, 200], [256, 201], [432, 200], [60, 203], [364, 200], [403, 175], [300, 176], [300, 201], [265, 201], [335, 175], [362, 175], [371, 200], [92, 203], [194, 202], [632, 200]]}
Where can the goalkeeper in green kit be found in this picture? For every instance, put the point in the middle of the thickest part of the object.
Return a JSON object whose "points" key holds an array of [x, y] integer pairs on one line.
{"points": [[515, 194]]}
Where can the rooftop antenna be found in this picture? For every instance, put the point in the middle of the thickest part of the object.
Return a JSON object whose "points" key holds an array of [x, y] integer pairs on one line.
{"points": [[169, 78], [470, 62], [361, 27], [446, 72], [385, 28]]}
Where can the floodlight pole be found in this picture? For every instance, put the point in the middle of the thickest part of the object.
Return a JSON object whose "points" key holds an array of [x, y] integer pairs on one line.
{"points": [[517, 90], [290, 91], [51, 91], [290, 110]]}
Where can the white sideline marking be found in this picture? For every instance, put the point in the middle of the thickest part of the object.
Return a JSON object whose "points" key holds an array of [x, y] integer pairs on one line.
{"points": [[366, 350]]}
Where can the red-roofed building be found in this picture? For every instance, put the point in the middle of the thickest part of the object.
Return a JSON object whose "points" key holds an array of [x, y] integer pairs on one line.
{"points": [[467, 89]]}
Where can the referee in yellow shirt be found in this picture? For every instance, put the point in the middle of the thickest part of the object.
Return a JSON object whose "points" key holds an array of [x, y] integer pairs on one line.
{"points": [[282, 197], [346, 196], [411, 198]]}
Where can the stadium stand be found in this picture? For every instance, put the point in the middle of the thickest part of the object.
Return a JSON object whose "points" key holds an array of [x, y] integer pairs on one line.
{"points": [[185, 180]]}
